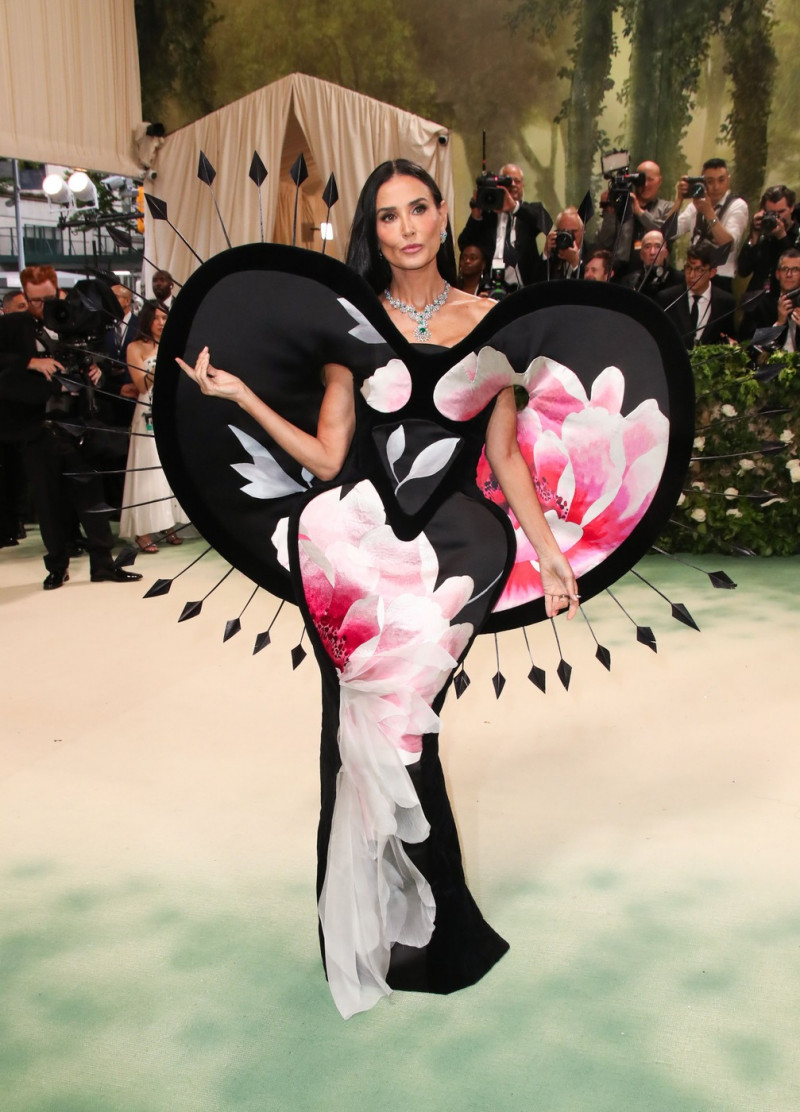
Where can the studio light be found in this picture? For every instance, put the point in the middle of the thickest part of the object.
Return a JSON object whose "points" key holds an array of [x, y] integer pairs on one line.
{"points": [[82, 187], [56, 189], [326, 230]]}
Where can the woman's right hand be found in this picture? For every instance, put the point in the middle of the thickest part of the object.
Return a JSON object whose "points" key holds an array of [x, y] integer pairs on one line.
{"points": [[213, 380]]}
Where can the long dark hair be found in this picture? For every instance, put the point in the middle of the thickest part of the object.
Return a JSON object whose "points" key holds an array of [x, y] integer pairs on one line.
{"points": [[363, 253], [146, 318]]}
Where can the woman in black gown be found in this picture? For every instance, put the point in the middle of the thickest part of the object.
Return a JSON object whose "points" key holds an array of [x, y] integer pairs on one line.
{"points": [[395, 575]]}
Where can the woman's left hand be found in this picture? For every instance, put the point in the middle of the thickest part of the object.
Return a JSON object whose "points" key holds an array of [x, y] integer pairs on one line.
{"points": [[560, 585]]}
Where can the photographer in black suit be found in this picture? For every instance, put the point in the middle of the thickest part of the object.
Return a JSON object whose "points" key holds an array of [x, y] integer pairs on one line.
{"points": [[507, 236], [702, 313], [779, 309], [563, 249], [773, 231], [31, 402]]}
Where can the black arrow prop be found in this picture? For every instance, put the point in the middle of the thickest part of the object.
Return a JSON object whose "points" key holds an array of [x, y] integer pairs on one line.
{"points": [[719, 579], [564, 670], [602, 653], [162, 586], [263, 639], [158, 210], [537, 675], [258, 175], [192, 609], [298, 174], [461, 682], [233, 626], [644, 634], [206, 173], [679, 611], [330, 196]]}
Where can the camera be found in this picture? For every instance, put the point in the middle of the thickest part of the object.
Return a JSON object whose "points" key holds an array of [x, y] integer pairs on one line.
{"points": [[623, 182], [489, 195], [564, 240], [616, 170], [81, 321], [496, 286], [769, 222], [697, 187]]}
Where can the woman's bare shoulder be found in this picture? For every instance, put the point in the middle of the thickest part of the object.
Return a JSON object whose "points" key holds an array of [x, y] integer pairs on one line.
{"points": [[475, 308]]}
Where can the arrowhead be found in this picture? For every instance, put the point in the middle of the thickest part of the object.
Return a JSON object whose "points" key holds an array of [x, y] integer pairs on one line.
{"points": [[160, 587], [681, 614], [564, 671], [190, 610], [645, 636], [262, 641], [498, 683], [120, 238], [461, 682], [231, 629], [126, 558], [299, 171], [157, 207], [538, 678], [298, 656], [721, 580], [205, 171], [258, 171], [604, 656], [330, 194]]}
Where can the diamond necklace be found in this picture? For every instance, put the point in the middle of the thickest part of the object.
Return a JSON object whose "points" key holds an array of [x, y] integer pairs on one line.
{"points": [[421, 333]]}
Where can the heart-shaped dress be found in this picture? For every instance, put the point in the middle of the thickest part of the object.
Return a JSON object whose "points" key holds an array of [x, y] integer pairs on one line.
{"points": [[411, 551]]}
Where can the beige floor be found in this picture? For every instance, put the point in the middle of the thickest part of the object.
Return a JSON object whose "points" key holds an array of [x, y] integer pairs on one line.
{"points": [[636, 839]]}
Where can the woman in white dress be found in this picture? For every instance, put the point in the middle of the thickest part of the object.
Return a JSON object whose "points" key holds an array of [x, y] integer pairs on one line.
{"points": [[150, 505]]}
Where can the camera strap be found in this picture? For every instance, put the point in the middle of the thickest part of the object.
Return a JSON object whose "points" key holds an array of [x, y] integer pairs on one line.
{"points": [[701, 231]]}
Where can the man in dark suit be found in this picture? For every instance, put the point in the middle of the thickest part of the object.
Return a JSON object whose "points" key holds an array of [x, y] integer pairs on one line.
{"points": [[118, 380], [124, 331], [653, 272], [28, 389], [702, 313], [779, 310], [508, 238], [563, 249]]}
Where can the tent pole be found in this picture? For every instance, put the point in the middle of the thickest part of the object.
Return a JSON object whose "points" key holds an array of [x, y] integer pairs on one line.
{"points": [[18, 217]]}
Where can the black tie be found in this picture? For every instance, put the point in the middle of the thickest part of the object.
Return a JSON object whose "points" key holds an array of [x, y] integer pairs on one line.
{"points": [[509, 250], [694, 314]]}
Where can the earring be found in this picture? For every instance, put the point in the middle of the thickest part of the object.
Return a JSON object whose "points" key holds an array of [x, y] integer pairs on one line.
{"points": [[443, 236]]}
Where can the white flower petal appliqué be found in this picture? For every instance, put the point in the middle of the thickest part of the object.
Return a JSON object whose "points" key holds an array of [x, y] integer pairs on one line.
{"points": [[387, 626], [280, 541], [432, 459], [389, 388], [395, 446], [470, 385], [363, 331], [267, 479]]}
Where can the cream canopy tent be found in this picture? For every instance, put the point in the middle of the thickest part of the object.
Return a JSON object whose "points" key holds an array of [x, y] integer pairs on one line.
{"points": [[337, 131], [69, 83]]}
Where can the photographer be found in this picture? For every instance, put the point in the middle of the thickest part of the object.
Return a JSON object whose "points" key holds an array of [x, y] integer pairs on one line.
{"points": [[773, 230], [653, 273], [779, 309], [714, 215], [631, 209], [506, 232], [563, 249], [31, 399]]}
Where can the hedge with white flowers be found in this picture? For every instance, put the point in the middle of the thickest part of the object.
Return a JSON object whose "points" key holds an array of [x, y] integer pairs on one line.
{"points": [[751, 500]]}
